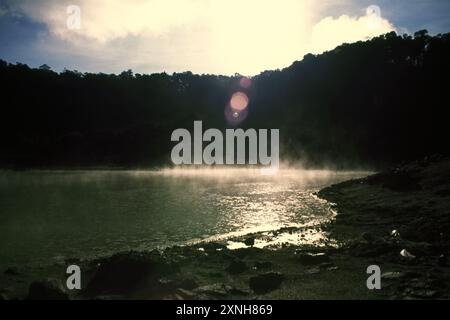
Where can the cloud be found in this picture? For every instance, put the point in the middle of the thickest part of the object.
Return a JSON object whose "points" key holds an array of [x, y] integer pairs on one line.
{"points": [[330, 32], [211, 36], [106, 20], [203, 36]]}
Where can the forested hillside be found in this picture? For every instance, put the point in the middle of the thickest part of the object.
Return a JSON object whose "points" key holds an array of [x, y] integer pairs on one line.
{"points": [[369, 103]]}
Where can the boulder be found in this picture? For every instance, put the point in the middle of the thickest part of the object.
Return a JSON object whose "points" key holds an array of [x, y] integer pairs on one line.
{"points": [[123, 272], [249, 241], [266, 282], [407, 255], [50, 289]]}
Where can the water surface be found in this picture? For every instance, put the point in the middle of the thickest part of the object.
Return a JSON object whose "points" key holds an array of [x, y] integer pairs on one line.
{"points": [[52, 215]]}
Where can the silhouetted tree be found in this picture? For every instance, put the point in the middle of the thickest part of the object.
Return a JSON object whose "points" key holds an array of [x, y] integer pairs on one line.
{"points": [[45, 67]]}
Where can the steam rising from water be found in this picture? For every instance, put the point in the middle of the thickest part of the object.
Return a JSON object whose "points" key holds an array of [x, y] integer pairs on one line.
{"points": [[91, 213], [254, 172]]}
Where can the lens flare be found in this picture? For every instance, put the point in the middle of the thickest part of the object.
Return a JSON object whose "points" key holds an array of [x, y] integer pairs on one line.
{"points": [[245, 82], [234, 117], [239, 101]]}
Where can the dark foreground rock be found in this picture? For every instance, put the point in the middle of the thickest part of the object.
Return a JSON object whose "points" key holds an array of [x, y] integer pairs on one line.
{"points": [[127, 272], [267, 282], [50, 289]]}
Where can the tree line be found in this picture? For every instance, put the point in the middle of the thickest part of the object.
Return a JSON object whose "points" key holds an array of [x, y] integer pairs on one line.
{"points": [[369, 103]]}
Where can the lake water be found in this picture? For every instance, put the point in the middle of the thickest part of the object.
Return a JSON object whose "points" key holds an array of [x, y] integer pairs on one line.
{"points": [[48, 216]]}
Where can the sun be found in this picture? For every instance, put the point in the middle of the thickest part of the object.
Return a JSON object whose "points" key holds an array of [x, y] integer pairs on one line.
{"points": [[252, 36]]}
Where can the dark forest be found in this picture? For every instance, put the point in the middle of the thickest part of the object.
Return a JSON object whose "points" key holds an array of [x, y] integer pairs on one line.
{"points": [[367, 104]]}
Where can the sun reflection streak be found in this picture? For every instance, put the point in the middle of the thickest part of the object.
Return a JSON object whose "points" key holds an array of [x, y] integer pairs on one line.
{"points": [[266, 204]]}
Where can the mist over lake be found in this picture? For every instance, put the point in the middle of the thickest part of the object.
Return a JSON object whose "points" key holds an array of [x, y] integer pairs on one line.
{"points": [[50, 216]]}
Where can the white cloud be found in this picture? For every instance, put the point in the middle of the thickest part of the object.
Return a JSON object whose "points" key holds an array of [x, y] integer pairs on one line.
{"points": [[330, 32], [106, 20], [204, 36]]}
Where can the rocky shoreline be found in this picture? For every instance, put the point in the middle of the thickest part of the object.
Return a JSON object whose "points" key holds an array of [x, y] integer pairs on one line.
{"points": [[398, 220], [400, 217]]}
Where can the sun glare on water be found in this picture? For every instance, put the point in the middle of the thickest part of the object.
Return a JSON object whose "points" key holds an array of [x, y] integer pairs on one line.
{"points": [[278, 205], [254, 172]]}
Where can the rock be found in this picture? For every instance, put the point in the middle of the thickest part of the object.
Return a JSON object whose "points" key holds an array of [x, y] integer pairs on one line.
{"points": [[312, 258], [395, 234], [265, 283], [50, 289], [407, 255], [237, 267], [249, 241], [246, 252], [122, 272]]}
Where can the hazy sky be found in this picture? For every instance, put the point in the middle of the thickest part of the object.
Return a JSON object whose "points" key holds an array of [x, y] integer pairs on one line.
{"points": [[203, 36]]}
